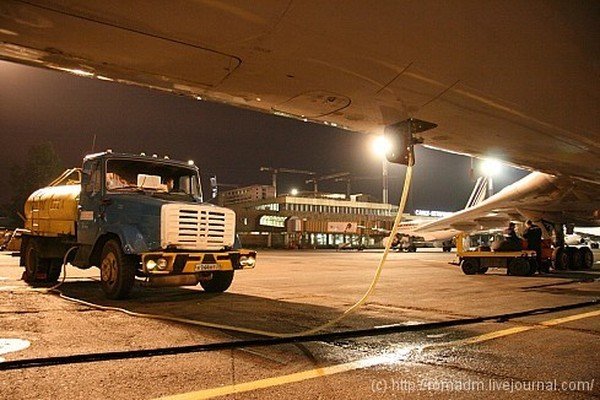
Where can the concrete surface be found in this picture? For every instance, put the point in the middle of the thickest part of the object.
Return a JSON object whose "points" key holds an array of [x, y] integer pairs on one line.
{"points": [[295, 290]]}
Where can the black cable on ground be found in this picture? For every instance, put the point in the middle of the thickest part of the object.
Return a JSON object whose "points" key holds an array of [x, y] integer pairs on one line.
{"points": [[319, 337]]}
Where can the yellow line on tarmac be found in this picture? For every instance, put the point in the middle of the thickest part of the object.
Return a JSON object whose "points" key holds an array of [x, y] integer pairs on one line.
{"points": [[517, 329], [563, 320], [278, 380], [363, 363], [485, 337]]}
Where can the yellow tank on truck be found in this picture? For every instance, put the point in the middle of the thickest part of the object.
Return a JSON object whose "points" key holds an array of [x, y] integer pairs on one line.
{"points": [[52, 211]]}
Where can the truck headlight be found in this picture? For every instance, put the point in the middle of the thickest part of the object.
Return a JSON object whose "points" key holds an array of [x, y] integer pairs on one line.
{"points": [[151, 265], [162, 264], [247, 261]]}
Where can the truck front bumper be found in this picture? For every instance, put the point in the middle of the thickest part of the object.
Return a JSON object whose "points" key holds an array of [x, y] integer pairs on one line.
{"points": [[194, 263]]}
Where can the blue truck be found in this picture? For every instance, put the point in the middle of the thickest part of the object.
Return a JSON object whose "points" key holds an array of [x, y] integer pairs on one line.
{"points": [[136, 217]]}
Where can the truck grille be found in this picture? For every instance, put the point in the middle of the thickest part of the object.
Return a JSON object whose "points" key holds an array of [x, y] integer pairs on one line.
{"points": [[197, 227]]}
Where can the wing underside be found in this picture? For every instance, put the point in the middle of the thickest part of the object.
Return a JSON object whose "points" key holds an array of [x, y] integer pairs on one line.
{"points": [[517, 80]]}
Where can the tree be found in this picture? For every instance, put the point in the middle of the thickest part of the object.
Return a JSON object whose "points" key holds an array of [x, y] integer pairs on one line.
{"points": [[42, 165]]}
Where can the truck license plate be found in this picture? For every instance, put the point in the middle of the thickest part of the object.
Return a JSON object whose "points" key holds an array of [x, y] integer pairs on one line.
{"points": [[207, 267]]}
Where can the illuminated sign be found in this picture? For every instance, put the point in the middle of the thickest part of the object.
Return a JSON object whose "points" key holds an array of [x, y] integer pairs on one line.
{"points": [[342, 227], [272, 220], [429, 213]]}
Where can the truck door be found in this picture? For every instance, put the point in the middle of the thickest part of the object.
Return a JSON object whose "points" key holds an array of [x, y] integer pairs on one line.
{"points": [[90, 204]]}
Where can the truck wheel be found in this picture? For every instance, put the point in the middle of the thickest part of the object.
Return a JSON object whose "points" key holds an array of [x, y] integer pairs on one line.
{"points": [[560, 259], [519, 267], [587, 258], [574, 259], [220, 282], [117, 271], [470, 267], [482, 270], [54, 269], [35, 266]]}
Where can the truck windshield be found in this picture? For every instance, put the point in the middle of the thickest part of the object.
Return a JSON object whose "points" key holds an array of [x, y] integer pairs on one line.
{"points": [[156, 177]]}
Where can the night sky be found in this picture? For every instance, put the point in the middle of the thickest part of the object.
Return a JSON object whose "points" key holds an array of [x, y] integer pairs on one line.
{"points": [[40, 105]]}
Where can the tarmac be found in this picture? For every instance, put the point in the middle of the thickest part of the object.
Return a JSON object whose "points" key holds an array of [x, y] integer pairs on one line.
{"points": [[554, 354]]}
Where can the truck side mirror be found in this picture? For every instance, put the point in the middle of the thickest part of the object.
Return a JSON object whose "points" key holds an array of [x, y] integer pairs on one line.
{"points": [[90, 178], [214, 187]]}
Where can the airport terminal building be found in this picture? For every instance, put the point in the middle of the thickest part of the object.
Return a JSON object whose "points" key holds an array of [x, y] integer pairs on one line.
{"points": [[309, 221]]}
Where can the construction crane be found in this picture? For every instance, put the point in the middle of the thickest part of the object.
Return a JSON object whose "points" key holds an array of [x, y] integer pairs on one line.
{"points": [[315, 180], [275, 171]]}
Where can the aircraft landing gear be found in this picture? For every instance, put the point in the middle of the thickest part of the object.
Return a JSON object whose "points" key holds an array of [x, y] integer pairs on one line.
{"points": [[572, 258]]}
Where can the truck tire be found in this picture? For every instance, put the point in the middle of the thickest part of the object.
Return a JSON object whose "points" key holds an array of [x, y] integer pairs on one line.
{"points": [[219, 283], [470, 266], [560, 258], [519, 267], [574, 259], [587, 258], [54, 269], [35, 266], [482, 270], [117, 271]]}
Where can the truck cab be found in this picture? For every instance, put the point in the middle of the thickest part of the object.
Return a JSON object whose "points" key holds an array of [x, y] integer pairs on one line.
{"points": [[136, 218]]}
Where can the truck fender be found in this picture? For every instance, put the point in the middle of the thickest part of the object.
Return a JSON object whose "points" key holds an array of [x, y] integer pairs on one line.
{"points": [[132, 240]]}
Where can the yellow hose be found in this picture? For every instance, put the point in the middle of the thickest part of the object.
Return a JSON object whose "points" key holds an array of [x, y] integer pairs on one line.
{"points": [[350, 310]]}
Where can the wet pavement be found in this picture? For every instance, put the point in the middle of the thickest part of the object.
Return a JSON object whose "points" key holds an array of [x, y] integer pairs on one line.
{"points": [[551, 354]]}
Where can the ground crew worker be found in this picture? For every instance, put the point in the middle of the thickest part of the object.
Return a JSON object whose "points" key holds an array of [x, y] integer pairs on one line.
{"points": [[511, 241], [533, 235]]}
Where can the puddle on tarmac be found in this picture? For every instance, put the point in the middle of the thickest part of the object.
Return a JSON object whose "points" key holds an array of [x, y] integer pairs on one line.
{"points": [[11, 345]]}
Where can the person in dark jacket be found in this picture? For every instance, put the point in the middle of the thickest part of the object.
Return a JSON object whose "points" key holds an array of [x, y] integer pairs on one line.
{"points": [[533, 235]]}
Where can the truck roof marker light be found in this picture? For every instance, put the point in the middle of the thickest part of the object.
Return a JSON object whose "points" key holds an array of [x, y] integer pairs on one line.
{"points": [[143, 154], [154, 155], [166, 157], [109, 151], [190, 162]]}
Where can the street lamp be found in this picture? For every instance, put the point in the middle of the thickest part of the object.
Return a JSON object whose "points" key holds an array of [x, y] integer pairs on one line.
{"points": [[294, 192], [380, 146]]}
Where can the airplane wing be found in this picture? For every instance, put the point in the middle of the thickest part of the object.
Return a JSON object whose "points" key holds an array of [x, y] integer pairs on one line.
{"points": [[538, 196], [514, 79]]}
